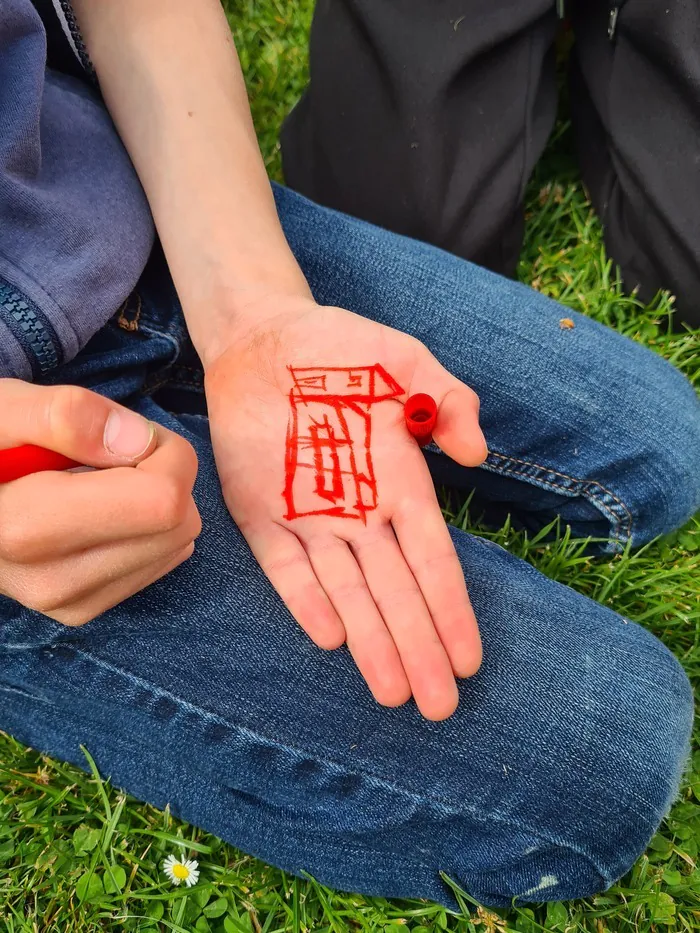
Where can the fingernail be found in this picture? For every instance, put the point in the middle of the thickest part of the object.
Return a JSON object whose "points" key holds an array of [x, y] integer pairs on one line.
{"points": [[127, 434]]}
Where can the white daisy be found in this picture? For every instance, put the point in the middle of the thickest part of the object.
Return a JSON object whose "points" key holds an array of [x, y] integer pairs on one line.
{"points": [[179, 870]]}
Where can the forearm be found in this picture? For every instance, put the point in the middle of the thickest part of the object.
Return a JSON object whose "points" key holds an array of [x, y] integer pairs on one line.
{"points": [[170, 76]]}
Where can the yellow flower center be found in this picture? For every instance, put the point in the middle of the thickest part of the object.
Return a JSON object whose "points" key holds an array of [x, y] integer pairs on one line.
{"points": [[181, 871]]}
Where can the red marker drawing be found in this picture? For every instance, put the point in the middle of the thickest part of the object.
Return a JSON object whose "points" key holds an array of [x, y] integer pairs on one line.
{"points": [[16, 462], [328, 460], [420, 412]]}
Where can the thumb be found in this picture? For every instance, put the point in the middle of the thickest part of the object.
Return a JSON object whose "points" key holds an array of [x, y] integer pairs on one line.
{"points": [[74, 422], [457, 431]]}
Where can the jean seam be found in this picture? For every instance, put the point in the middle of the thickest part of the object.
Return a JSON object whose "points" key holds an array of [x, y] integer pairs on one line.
{"points": [[181, 384], [130, 324], [602, 498], [448, 808], [356, 847], [153, 332]]}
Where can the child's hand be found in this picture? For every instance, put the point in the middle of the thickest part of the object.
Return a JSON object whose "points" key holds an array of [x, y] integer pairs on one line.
{"points": [[75, 544], [388, 580]]}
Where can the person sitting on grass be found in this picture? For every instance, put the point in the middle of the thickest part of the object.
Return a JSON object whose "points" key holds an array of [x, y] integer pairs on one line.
{"points": [[331, 679]]}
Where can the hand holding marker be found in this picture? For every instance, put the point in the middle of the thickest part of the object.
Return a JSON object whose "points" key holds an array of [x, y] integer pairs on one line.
{"points": [[420, 412], [16, 462]]}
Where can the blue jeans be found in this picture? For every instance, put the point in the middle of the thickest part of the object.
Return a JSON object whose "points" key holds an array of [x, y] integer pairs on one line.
{"points": [[201, 692]]}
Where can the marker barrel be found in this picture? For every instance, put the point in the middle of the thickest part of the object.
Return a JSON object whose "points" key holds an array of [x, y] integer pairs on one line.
{"points": [[16, 462]]}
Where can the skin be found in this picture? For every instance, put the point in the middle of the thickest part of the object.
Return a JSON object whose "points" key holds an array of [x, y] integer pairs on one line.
{"points": [[393, 588], [68, 546]]}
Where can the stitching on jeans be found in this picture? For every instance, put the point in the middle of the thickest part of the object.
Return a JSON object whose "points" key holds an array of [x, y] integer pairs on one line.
{"points": [[356, 848], [600, 505], [615, 535], [150, 388], [590, 489], [185, 386], [448, 806], [165, 335], [123, 321]]}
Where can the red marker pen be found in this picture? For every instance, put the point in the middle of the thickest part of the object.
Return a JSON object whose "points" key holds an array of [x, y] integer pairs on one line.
{"points": [[16, 462], [420, 412]]}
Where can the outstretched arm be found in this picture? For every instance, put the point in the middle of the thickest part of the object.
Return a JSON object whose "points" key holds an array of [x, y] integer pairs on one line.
{"points": [[358, 550], [170, 76]]}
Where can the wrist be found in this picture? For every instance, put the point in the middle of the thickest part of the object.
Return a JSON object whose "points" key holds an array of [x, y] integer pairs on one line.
{"points": [[232, 313]]}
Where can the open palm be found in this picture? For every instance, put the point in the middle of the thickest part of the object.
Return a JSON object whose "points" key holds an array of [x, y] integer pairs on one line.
{"points": [[334, 496]]}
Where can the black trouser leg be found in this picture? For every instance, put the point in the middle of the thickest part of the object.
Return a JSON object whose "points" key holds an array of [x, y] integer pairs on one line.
{"points": [[636, 107], [427, 117]]}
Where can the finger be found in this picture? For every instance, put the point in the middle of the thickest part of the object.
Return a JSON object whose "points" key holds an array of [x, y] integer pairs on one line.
{"points": [[73, 421], [47, 587], [286, 564], [401, 604], [368, 639], [428, 550], [457, 431], [173, 460], [51, 515], [88, 608]]}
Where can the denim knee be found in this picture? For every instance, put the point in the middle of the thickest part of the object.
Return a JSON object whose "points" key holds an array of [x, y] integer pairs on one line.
{"points": [[649, 759], [664, 476], [581, 411], [596, 803]]}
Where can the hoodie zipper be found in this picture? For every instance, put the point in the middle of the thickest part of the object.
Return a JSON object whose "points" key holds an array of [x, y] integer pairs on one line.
{"points": [[76, 35], [31, 328]]}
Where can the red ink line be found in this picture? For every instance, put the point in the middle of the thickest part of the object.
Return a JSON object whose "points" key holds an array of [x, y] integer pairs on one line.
{"points": [[328, 425], [332, 369], [320, 445], [393, 386], [336, 512], [363, 398], [312, 466], [313, 382], [291, 453], [353, 464]]}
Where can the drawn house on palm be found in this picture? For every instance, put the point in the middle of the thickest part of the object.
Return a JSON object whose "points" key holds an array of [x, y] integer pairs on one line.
{"points": [[328, 460]]}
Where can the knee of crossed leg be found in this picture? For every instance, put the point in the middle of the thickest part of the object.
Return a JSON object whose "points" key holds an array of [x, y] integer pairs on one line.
{"points": [[604, 766], [662, 472], [624, 768], [633, 749]]}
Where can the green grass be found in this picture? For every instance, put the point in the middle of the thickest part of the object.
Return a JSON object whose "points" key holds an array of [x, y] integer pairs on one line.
{"points": [[77, 855]]}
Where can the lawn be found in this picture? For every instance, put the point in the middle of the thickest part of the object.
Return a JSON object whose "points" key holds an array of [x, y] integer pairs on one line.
{"points": [[76, 855]]}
